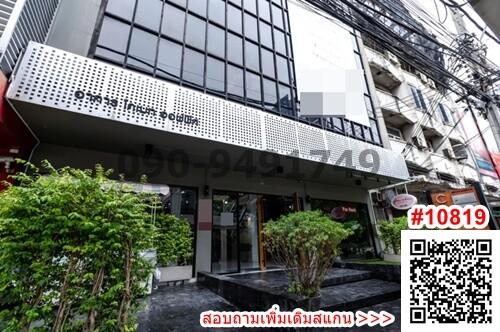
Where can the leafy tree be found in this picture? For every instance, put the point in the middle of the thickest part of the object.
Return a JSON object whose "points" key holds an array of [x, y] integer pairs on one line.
{"points": [[174, 240], [390, 233], [306, 243], [70, 244]]}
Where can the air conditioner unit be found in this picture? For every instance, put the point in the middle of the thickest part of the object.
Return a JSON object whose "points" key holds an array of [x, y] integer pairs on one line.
{"points": [[392, 58], [447, 154], [423, 77], [418, 142]]}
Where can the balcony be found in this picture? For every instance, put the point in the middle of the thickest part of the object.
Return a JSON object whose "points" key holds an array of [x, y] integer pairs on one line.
{"points": [[384, 72], [396, 113], [412, 154]]}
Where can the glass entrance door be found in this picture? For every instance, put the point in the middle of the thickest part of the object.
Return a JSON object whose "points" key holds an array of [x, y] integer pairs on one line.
{"points": [[248, 223], [225, 233], [237, 221]]}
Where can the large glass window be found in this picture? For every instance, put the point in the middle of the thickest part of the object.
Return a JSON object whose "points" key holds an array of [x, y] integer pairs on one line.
{"points": [[235, 81], [148, 13], [173, 22], [195, 32], [142, 52], [193, 67], [235, 49], [113, 40], [216, 41], [215, 75], [253, 88], [252, 56], [225, 47], [169, 59]]}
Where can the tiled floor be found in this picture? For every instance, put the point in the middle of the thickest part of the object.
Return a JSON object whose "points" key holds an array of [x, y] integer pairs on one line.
{"points": [[178, 309]]}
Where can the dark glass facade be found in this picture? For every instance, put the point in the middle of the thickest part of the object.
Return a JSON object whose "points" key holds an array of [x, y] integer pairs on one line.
{"points": [[240, 50], [237, 49]]}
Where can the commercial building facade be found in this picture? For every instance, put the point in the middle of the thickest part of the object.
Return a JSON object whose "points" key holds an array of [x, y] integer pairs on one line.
{"points": [[203, 97]]}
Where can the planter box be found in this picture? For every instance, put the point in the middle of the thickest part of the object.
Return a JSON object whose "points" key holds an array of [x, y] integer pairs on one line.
{"points": [[392, 258], [175, 273]]}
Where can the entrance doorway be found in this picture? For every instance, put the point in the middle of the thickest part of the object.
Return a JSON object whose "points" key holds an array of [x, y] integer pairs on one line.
{"points": [[237, 223]]}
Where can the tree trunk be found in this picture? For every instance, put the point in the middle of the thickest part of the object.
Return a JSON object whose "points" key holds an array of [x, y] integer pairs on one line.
{"points": [[63, 297], [25, 322], [91, 316], [127, 292]]}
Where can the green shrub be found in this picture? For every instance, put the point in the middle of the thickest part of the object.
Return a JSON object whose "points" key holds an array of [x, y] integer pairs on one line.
{"points": [[306, 243], [174, 240], [70, 251], [390, 233]]}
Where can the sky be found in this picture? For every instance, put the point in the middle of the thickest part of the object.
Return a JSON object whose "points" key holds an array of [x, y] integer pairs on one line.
{"points": [[430, 7]]}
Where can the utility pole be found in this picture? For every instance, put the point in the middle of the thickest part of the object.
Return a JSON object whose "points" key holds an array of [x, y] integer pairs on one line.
{"points": [[491, 109]]}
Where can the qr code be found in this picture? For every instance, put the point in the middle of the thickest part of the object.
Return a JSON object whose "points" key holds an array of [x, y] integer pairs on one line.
{"points": [[448, 277]]}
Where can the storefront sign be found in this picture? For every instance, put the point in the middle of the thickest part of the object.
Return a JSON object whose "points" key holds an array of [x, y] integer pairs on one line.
{"points": [[128, 105], [341, 212], [403, 201], [456, 197]]}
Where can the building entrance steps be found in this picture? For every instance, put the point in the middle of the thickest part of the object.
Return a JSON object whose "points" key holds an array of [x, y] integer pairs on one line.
{"points": [[343, 289]]}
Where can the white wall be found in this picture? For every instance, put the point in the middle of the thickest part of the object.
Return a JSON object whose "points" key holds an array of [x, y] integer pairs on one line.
{"points": [[325, 61], [74, 25]]}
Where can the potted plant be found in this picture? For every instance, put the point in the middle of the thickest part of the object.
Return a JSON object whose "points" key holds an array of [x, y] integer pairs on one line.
{"points": [[174, 248], [390, 233], [306, 243]]}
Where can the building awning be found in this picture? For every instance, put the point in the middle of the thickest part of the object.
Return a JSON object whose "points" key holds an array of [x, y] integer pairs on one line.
{"points": [[72, 100]]}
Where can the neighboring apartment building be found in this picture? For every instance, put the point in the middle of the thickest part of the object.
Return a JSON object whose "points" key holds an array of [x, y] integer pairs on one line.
{"points": [[203, 97], [439, 140]]}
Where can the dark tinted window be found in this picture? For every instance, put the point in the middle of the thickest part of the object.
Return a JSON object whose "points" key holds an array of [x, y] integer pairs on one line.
{"points": [[267, 63], [173, 22], [113, 39], [169, 59], [266, 37], [235, 81], [250, 5], [216, 40], [215, 75], [264, 11], [121, 8], [279, 41], [252, 56], [251, 27], [234, 18], [199, 7], [225, 47], [195, 32], [217, 11], [278, 17], [234, 49], [282, 65], [148, 13], [142, 52], [253, 87], [193, 67], [270, 95]]}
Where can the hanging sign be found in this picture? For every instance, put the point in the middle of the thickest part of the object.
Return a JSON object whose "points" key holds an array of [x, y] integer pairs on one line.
{"points": [[403, 201]]}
